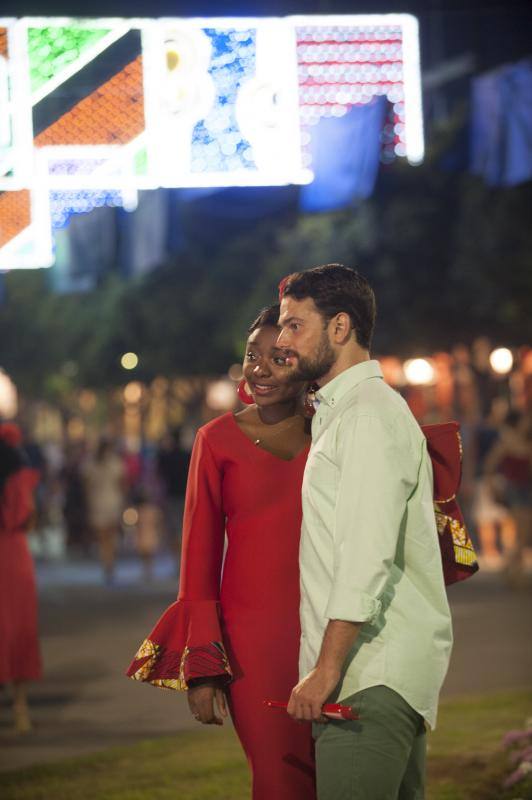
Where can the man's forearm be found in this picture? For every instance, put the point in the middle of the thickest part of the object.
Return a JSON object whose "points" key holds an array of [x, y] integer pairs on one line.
{"points": [[338, 640]]}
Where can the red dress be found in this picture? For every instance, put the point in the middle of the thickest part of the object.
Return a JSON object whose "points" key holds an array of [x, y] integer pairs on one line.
{"points": [[248, 627], [19, 646]]}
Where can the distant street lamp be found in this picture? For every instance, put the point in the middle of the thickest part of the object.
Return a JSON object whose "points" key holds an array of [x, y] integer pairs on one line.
{"points": [[221, 395], [129, 360], [501, 360], [419, 371]]}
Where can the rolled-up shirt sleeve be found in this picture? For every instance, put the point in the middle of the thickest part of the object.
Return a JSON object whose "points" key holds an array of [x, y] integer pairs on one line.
{"points": [[376, 476]]}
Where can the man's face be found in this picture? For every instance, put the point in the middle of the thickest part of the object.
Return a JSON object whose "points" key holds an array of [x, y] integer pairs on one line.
{"points": [[306, 338]]}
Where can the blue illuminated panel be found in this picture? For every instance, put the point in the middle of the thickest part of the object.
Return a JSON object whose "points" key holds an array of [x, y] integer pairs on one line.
{"points": [[217, 141]]}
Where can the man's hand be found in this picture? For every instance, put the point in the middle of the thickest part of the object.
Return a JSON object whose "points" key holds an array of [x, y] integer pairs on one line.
{"points": [[201, 701], [310, 694]]}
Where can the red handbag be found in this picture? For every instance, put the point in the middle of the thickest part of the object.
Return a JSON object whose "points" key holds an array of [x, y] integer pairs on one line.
{"points": [[444, 446]]}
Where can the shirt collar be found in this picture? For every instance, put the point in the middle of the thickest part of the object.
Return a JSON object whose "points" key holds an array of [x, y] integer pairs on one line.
{"points": [[334, 390]]}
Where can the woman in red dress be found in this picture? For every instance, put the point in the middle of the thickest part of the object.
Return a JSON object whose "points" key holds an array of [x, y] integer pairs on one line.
{"points": [[19, 646], [235, 633]]}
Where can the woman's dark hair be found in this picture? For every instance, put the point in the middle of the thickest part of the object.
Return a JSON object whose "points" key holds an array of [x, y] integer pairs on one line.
{"points": [[11, 460], [335, 288], [268, 316]]}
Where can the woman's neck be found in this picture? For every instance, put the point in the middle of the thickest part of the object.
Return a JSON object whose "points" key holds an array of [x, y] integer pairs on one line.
{"points": [[271, 415]]}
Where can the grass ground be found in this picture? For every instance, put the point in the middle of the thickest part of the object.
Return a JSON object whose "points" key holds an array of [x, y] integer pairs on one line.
{"points": [[465, 762]]}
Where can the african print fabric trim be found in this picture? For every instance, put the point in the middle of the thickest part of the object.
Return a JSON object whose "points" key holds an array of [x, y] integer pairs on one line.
{"points": [[168, 669], [464, 552], [208, 661]]}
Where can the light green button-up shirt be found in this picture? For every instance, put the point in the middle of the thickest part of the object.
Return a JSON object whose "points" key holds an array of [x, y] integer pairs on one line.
{"points": [[369, 544]]}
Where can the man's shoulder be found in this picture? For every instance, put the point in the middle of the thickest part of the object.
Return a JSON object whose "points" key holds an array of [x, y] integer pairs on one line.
{"points": [[374, 398], [377, 400]]}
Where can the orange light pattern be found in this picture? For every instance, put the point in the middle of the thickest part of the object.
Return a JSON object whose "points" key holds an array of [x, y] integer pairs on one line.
{"points": [[113, 114], [15, 214], [3, 42]]}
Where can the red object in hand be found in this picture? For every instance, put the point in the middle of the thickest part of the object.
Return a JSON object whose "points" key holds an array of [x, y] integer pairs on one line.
{"points": [[331, 710]]}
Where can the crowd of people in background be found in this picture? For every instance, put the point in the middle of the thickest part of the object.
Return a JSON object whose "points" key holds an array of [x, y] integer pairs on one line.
{"points": [[102, 498], [501, 505], [76, 501]]}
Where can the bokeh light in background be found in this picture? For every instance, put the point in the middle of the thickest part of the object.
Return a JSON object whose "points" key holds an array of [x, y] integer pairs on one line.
{"points": [[8, 397], [221, 395], [129, 360], [501, 360], [419, 371], [130, 516], [133, 392]]}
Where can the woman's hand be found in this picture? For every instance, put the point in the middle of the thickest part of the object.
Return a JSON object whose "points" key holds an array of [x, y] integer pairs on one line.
{"points": [[202, 699]]}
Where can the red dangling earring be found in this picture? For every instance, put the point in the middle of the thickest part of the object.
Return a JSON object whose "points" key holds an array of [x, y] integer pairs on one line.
{"points": [[308, 407], [243, 394]]}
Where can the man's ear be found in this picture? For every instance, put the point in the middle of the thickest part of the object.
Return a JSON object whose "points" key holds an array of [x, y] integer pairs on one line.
{"points": [[340, 327]]}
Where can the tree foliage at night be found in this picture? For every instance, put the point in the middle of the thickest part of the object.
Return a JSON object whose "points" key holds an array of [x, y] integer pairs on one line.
{"points": [[449, 258]]}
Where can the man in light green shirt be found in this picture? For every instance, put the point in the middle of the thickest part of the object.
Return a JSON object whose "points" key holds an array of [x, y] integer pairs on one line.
{"points": [[376, 626]]}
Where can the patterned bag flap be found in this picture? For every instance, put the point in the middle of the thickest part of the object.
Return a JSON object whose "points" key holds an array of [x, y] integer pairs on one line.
{"points": [[444, 445]]}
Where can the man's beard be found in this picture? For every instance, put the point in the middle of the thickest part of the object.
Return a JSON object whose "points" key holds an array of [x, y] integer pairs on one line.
{"points": [[314, 368]]}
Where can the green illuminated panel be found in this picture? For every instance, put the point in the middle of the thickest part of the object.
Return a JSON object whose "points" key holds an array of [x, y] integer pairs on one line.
{"points": [[141, 162], [53, 49]]}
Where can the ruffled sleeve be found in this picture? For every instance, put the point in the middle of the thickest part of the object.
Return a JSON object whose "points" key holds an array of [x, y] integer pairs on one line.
{"points": [[187, 643]]}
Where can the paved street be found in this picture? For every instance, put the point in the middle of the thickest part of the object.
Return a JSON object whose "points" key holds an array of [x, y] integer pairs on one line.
{"points": [[89, 634]]}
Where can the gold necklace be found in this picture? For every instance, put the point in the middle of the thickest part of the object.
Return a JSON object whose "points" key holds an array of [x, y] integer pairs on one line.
{"points": [[290, 422]]}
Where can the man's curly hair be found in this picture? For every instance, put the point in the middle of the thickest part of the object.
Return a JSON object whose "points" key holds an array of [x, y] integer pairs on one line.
{"points": [[335, 288]]}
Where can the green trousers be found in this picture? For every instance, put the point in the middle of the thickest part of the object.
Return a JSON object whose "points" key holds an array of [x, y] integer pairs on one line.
{"points": [[380, 756]]}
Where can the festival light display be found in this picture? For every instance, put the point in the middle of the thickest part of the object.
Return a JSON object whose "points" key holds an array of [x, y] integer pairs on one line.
{"points": [[346, 61], [94, 110]]}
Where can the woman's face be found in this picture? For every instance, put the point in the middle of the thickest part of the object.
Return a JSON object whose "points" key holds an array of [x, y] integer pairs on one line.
{"points": [[265, 369]]}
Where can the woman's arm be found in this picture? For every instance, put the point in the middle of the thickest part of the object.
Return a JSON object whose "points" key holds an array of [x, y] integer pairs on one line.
{"points": [[186, 645]]}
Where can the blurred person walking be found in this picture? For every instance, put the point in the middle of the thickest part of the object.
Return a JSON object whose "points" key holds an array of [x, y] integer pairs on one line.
{"points": [[148, 528], [75, 512], [20, 659], [172, 467], [240, 639], [494, 522], [511, 459], [104, 476]]}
